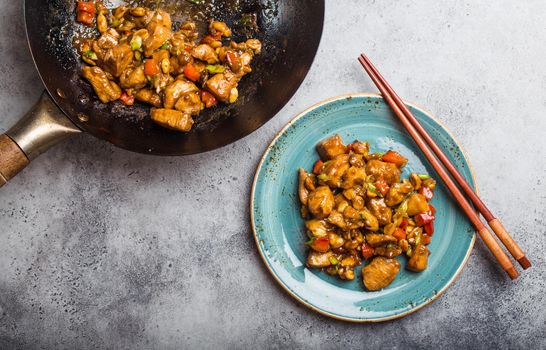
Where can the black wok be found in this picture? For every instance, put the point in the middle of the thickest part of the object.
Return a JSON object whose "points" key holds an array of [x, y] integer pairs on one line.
{"points": [[289, 30]]}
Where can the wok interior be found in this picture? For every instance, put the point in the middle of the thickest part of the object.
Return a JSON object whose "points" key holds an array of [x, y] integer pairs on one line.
{"points": [[290, 33]]}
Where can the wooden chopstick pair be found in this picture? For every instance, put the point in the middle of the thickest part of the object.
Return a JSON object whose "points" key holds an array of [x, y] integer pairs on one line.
{"points": [[426, 143]]}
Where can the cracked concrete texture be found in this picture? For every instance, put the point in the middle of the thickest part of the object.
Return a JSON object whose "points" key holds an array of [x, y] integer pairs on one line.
{"points": [[102, 248]]}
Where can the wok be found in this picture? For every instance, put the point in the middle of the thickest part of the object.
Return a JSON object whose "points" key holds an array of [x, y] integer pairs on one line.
{"points": [[289, 30]]}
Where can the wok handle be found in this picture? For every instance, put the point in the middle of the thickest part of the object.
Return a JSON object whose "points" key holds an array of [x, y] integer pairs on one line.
{"points": [[12, 159], [42, 127]]}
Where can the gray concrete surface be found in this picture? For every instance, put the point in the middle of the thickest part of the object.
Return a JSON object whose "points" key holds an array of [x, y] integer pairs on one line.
{"points": [[102, 248]]}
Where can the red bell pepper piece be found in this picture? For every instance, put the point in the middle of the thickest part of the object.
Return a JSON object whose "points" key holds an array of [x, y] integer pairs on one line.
{"points": [[88, 7], [431, 209], [429, 228], [127, 99], [423, 219], [85, 18], [404, 224], [367, 251], [191, 72], [151, 67], [382, 186], [425, 239], [208, 99], [399, 234], [318, 165], [321, 244], [427, 192], [394, 158]]}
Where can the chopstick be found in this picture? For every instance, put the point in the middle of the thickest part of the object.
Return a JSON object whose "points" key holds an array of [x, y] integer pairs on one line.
{"points": [[484, 233], [492, 221]]}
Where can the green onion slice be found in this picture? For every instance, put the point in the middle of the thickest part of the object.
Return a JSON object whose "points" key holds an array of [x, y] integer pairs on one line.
{"points": [[91, 54], [136, 42], [215, 68]]}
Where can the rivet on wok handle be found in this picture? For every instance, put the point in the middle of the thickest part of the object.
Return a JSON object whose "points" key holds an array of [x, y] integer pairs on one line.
{"points": [[42, 127]]}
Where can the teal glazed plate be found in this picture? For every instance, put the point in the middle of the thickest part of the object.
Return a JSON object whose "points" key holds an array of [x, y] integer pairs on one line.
{"points": [[279, 229]]}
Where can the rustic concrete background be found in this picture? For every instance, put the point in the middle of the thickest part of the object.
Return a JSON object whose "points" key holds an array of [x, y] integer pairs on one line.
{"points": [[102, 248]]}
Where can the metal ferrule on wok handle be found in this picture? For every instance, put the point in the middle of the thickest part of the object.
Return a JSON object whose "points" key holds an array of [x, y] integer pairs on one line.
{"points": [[42, 127]]}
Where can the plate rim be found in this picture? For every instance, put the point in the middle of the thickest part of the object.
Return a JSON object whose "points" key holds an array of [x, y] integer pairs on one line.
{"points": [[282, 283]]}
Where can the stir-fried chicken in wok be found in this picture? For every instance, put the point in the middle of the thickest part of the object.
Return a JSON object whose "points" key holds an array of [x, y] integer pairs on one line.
{"points": [[358, 208], [138, 56]]}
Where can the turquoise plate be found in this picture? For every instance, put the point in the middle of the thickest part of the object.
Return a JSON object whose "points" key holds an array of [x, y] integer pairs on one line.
{"points": [[278, 227]]}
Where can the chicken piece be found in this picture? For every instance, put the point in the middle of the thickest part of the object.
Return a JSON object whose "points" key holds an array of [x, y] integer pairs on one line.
{"points": [[149, 96], [357, 160], [388, 171], [189, 104], [316, 259], [186, 35], [336, 218], [221, 85], [419, 258], [321, 202], [161, 81], [172, 119], [160, 55], [335, 169], [160, 31], [318, 228], [245, 59], [380, 273], [397, 193], [176, 68], [335, 240], [116, 59], [159, 18], [358, 202], [417, 204], [388, 251], [255, 45], [378, 239], [379, 209], [303, 192], [176, 90], [362, 148], [133, 78], [108, 40], [354, 176], [351, 213], [370, 221], [106, 90], [205, 53], [178, 43], [331, 147]]}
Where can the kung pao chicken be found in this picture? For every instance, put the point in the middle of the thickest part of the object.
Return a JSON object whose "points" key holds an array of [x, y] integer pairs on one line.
{"points": [[357, 208], [138, 56]]}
